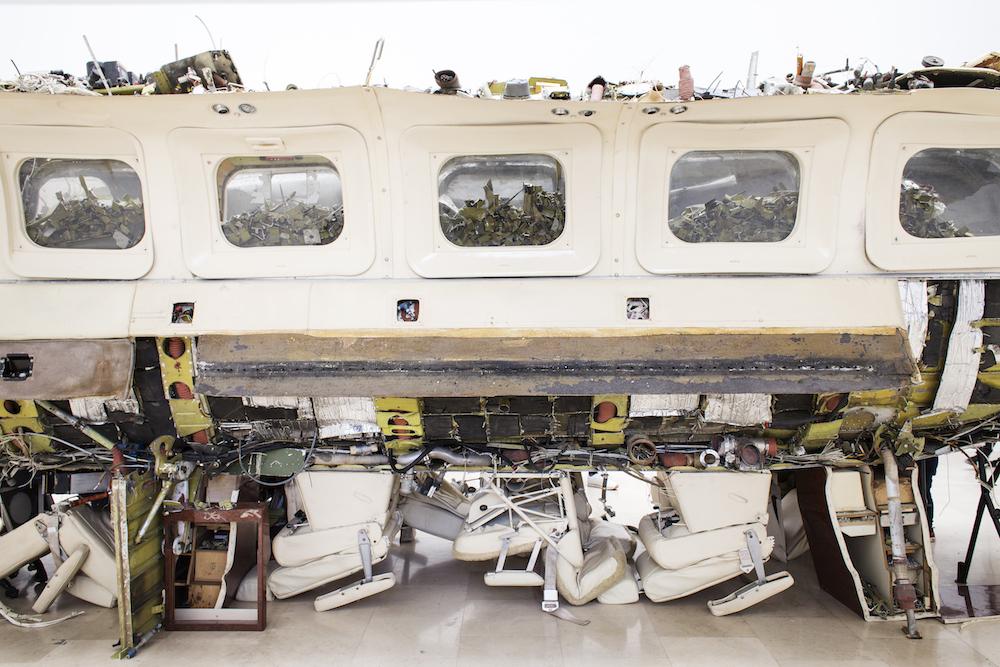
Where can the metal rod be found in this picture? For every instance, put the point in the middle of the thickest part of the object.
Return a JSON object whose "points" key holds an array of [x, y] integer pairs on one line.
{"points": [[77, 423], [97, 64], [903, 589]]}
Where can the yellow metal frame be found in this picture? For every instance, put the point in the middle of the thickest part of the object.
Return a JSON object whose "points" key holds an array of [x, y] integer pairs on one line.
{"points": [[610, 432], [190, 415], [389, 407], [25, 418]]}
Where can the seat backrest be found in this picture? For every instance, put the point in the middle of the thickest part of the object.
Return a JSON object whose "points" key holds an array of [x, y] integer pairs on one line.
{"points": [[707, 500], [332, 499], [86, 525]]}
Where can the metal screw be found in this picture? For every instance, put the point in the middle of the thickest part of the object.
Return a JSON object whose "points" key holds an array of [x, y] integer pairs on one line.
{"points": [[220, 108], [248, 108]]}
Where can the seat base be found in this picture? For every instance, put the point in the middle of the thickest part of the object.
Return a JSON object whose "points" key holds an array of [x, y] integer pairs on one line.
{"points": [[355, 592], [751, 594], [513, 578]]}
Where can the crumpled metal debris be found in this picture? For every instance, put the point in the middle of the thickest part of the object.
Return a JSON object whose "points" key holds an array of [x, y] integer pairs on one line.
{"points": [[738, 218], [288, 223], [42, 82], [921, 212], [77, 223], [494, 221]]}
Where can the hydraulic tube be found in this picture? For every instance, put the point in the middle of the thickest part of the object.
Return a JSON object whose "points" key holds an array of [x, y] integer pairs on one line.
{"points": [[903, 589], [76, 423]]}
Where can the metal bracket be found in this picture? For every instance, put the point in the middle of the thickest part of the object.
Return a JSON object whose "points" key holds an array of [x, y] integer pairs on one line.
{"points": [[365, 549]]}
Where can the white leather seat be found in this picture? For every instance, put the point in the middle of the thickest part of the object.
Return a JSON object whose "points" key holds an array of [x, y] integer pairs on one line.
{"points": [[351, 522], [94, 578], [489, 521], [582, 576], [731, 515]]}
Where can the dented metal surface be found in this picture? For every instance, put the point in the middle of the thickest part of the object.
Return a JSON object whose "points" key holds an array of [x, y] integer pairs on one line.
{"points": [[70, 369], [647, 364]]}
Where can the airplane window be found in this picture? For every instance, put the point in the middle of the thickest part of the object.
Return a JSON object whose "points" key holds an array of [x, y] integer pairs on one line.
{"points": [[280, 201], [502, 200], [82, 204], [951, 192], [733, 196]]}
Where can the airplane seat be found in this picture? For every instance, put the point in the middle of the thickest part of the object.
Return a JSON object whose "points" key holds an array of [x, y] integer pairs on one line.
{"points": [[715, 532], [599, 571], [441, 513], [491, 528], [351, 521], [86, 564]]}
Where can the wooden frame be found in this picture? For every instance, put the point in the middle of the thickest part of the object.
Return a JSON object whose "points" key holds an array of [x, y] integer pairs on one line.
{"points": [[241, 513]]}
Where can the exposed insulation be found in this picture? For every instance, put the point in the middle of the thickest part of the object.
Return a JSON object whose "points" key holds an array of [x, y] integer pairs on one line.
{"points": [[913, 296], [90, 408], [302, 405], [962, 363], [345, 416], [738, 409], [663, 405]]}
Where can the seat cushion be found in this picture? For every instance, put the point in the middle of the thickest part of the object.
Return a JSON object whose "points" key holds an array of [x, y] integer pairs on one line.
{"points": [[424, 514], [486, 542], [661, 585], [85, 525], [602, 567], [286, 582], [625, 591], [676, 547], [306, 545], [22, 545], [602, 530]]}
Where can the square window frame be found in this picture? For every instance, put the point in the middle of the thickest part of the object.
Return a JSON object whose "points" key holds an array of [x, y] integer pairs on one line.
{"points": [[199, 152], [30, 260], [220, 195], [578, 148], [818, 145], [897, 139]]}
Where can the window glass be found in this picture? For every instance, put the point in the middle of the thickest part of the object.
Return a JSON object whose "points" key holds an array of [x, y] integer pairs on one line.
{"points": [[949, 192], [502, 200], [90, 204], [280, 201], [733, 196]]}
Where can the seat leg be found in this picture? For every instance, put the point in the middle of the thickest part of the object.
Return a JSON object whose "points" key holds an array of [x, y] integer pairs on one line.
{"points": [[763, 588], [503, 577], [368, 586]]}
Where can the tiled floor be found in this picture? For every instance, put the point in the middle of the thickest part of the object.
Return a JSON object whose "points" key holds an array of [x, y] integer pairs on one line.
{"points": [[441, 614]]}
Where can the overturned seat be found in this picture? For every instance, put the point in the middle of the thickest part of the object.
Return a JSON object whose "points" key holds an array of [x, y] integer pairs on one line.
{"points": [[601, 571], [350, 523], [81, 541], [710, 528]]}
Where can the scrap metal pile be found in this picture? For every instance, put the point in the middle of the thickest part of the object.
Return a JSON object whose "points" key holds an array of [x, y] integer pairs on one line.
{"points": [[288, 223], [497, 221], [922, 213], [80, 223], [738, 218]]}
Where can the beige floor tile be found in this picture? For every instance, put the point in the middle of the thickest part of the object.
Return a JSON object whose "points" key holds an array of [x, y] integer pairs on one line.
{"points": [[507, 618], [798, 662], [790, 639], [525, 651], [680, 620], [918, 653], [605, 646], [743, 651]]}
